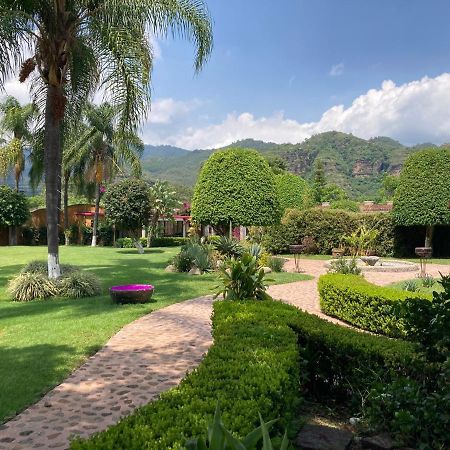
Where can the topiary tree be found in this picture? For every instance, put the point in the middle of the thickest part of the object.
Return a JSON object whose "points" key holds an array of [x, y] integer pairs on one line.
{"points": [[293, 191], [127, 205], [423, 193], [236, 187], [13, 211]]}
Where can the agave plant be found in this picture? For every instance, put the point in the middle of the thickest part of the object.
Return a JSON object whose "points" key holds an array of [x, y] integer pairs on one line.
{"points": [[219, 438], [228, 247]]}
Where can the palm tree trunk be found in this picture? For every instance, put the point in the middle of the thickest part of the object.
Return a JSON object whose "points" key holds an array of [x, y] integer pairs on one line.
{"points": [[52, 163], [66, 199], [97, 208]]}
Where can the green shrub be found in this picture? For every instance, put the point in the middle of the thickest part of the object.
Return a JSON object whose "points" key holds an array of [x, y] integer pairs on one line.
{"points": [[228, 247], [345, 205], [327, 228], [79, 284], [293, 191], [29, 286], [345, 266], [242, 279], [276, 263], [252, 366], [356, 301], [168, 241], [410, 286], [41, 267], [125, 242]]}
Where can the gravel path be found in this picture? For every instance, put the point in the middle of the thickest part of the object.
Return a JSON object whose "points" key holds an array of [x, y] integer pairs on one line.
{"points": [[144, 359]]}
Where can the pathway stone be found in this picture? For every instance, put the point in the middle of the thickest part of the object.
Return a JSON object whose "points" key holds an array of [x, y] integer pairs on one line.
{"points": [[320, 437], [144, 359]]}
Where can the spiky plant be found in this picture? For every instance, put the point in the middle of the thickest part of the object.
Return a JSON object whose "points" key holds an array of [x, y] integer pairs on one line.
{"points": [[29, 286], [77, 47], [79, 284]]}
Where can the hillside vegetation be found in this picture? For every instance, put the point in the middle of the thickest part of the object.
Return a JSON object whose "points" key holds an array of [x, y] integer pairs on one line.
{"points": [[356, 164]]}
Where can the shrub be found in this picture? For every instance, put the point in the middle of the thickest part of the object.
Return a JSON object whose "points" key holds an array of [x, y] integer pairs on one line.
{"points": [[228, 247], [168, 241], [276, 263], [242, 279], [182, 261], [125, 242], [345, 266], [13, 207], [428, 281], [356, 301], [194, 254], [309, 245], [30, 286], [237, 186], [345, 205], [41, 267], [410, 286], [327, 228], [253, 366], [79, 284]]}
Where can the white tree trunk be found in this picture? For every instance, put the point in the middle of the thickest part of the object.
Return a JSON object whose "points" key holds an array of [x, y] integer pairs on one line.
{"points": [[137, 243], [54, 271]]}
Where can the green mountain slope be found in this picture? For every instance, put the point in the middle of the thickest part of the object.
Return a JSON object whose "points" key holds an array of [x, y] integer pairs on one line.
{"points": [[356, 164]]}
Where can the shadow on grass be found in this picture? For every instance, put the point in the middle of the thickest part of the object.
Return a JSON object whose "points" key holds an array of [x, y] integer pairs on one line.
{"points": [[129, 251], [37, 369]]}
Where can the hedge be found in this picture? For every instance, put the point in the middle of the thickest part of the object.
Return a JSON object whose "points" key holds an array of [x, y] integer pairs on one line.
{"points": [[374, 308], [327, 227], [254, 365], [164, 241]]}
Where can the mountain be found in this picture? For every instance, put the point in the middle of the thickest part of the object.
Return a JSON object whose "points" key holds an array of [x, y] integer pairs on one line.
{"points": [[358, 165]]}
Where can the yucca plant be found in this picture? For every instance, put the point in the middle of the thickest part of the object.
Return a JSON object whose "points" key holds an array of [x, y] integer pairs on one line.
{"points": [[79, 284], [219, 438], [242, 279], [228, 247]]}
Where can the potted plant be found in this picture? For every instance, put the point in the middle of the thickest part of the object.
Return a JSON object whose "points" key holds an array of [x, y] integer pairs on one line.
{"points": [[338, 252]]}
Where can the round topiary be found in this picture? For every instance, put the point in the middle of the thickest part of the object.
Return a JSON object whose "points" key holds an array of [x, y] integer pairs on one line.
{"points": [[236, 186], [423, 193], [13, 211], [293, 191], [127, 205]]}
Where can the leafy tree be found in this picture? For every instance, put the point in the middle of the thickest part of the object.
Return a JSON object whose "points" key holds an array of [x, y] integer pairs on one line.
{"points": [[346, 205], [333, 192], [236, 187], [389, 186], [277, 164], [423, 193], [293, 191], [13, 211], [163, 201], [318, 180], [79, 46], [101, 150], [15, 125], [127, 205]]}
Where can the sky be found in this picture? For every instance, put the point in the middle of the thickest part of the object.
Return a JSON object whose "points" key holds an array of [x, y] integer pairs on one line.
{"points": [[284, 70]]}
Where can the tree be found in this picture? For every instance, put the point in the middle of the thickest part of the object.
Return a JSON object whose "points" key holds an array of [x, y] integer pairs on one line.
{"points": [[127, 205], [101, 150], [423, 193], [13, 211], [332, 192], [277, 164], [318, 180], [81, 45], [236, 187], [293, 191], [389, 186], [15, 125], [163, 201]]}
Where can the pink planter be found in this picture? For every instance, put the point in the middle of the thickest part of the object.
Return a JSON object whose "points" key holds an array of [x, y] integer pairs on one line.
{"points": [[132, 293]]}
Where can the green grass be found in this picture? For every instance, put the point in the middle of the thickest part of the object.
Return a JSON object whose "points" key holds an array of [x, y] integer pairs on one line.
{"points": [[41, 342], [421, 289]]}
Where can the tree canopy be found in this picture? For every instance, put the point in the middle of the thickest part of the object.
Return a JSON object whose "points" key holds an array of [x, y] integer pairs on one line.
{"points": [[237, 186], [13, 207], [423, 193], [293, 191]]}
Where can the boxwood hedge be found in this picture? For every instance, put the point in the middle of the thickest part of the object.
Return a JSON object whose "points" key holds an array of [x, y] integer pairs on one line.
{"points": [[266, 356], [374, 308]]}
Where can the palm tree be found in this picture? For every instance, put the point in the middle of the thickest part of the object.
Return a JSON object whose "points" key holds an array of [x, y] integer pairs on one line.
{"points": [[80, 45], [15, 125], [101, 150]]}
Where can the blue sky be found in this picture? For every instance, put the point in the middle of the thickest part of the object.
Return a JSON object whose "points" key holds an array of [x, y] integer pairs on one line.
{"points": [[283, 70]]}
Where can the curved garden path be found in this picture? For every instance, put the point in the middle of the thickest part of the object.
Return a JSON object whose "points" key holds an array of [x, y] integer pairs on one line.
{"points": [[144, 359]]}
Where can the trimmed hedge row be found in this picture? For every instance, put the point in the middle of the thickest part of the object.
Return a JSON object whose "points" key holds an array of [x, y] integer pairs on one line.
{"points": [[374, 308], [254, 365], [164, 241]]}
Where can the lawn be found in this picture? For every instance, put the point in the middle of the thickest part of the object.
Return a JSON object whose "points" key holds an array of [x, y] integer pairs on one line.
{"points": [[42, 341], [401, 285]]}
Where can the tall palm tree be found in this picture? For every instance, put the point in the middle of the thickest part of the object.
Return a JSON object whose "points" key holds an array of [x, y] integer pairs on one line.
{"points": [[78, 45], [102, 150], [16, 129]]}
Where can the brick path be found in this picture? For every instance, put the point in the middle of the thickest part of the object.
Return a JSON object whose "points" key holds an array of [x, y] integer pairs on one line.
{"points": [[147, 357]]}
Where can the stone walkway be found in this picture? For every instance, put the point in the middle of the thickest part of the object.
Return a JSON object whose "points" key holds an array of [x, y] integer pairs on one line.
{"points": [[146, 358]]}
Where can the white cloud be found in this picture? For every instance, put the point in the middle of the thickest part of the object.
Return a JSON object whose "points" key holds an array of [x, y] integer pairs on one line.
{"points": [[17, 89], [412, 112], [337, 69], [166, 110]]}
